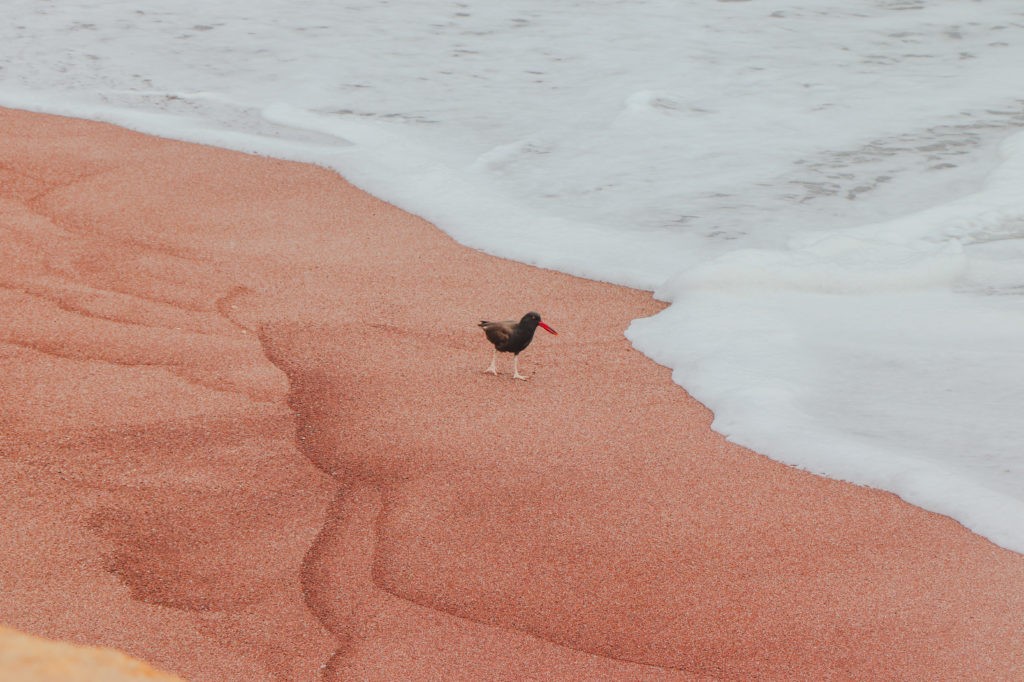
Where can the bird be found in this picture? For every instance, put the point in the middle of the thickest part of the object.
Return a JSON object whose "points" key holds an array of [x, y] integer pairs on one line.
{"points": [[512, 337]]}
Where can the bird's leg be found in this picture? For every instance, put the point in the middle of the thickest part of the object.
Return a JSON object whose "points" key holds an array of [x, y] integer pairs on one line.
{"points": [[493, 369], [515, 368]]}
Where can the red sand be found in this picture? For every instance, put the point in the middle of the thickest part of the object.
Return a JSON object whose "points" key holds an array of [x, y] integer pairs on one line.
{"points": [[246, 435]]}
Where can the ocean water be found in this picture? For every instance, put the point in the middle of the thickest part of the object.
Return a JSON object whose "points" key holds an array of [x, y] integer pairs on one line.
{"points": [[829, 193]]}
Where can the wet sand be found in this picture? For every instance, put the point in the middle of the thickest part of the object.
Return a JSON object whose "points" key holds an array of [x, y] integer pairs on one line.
{"points": [[246, 435]]}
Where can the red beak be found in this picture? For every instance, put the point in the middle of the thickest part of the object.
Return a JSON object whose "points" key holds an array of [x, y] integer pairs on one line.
{"points": [[547, 328]]}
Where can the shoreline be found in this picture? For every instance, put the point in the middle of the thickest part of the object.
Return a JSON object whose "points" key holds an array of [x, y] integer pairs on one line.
{"points": [[248, 436]]}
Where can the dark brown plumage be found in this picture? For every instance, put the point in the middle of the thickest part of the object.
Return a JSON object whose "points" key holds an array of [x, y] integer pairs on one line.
{"points": [[513, 337]]}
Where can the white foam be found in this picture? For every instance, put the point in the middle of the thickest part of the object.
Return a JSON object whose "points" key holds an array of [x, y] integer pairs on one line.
{"points": [[826, 192]]}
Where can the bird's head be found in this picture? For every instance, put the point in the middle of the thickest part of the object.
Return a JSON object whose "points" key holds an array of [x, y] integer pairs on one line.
{"points": [[533, 320]]}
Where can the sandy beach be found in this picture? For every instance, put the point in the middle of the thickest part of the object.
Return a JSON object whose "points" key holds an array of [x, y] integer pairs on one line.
{"points": [[246, 435]]}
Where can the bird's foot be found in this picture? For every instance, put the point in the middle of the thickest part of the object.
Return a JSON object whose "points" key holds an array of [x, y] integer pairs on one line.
{"points": [[491, 370], [517, 375]]}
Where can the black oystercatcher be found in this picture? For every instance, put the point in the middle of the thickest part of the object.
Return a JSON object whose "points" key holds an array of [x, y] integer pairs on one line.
{"points": [[512, 337]]}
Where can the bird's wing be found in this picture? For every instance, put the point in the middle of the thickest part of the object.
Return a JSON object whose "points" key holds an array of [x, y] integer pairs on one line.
{"points": [[498, 332]]}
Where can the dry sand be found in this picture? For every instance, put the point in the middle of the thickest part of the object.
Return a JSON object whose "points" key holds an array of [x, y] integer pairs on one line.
{"points": [[30, 659], [246, 435]]}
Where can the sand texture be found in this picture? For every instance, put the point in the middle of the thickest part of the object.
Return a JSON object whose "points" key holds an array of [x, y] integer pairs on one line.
{"points": [[31, 659], [246, 435]]}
